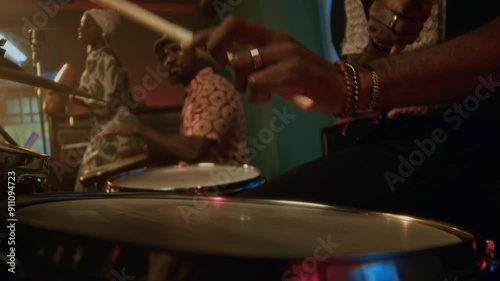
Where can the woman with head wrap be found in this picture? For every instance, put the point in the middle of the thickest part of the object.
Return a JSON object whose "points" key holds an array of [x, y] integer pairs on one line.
{"points": [[105, 78]]}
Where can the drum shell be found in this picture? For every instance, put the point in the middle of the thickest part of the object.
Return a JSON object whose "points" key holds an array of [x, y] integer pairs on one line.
{"points": [[210, 189], [49, 255]]}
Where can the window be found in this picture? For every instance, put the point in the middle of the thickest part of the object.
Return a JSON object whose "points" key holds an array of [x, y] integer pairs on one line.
{"points": [[20, 117]]}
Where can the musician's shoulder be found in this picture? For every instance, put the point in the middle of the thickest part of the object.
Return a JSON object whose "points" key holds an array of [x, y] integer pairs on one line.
{"points": [[108, 52], [110, 55]]}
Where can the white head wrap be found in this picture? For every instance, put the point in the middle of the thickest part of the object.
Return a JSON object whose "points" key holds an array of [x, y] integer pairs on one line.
{"points": [[107, 20]]}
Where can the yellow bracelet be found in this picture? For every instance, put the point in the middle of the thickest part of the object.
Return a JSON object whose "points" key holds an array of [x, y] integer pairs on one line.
{"points": [[376, 88]]}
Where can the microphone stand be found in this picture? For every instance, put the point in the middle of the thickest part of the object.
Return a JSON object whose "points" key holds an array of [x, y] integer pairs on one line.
{"points": [[35, 44]]}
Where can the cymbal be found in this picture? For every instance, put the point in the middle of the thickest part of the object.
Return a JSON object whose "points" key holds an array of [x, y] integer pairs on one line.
{"points": [[10, 74]]}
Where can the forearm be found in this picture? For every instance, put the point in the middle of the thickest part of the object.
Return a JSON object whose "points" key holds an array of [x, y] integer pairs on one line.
{"points": [[179, 147], [444, 73], [79, 101], [101, 110]]}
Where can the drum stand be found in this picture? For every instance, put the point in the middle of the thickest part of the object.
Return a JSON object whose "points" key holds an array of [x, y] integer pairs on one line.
{"points": [[7, 137], [35, 43]]}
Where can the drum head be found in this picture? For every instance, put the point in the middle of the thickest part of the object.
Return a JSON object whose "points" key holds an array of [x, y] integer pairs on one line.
{"points": [[156, 237], [189, 177], [240, 228]]}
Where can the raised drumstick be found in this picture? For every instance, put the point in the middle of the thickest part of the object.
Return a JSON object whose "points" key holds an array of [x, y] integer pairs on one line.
{"points": [[147, 19], [172, 31]]}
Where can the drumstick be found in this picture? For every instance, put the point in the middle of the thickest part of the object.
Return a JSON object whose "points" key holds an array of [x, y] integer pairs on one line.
{"points": [[36, 81], [147, 19], [172, 31]]}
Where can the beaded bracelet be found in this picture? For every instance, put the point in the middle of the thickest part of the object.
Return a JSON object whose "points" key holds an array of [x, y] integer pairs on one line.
{"points": [[354, 75], [376, 87], [349, 97]]}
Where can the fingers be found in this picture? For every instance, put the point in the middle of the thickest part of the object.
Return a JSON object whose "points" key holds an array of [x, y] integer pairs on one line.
{"points": [[284, 60], [400, 24], [281, 79], [233, 30], [243, 64], [397, 22], [396, 49], [385, 37], [416, 9], [274, 78]]}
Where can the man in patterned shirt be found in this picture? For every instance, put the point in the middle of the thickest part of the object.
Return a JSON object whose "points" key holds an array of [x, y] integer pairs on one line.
{"points": [[212, 118]]}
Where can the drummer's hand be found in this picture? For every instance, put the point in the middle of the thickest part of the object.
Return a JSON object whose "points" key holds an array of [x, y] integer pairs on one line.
{"points": [[410, 17], [120, 129], [290, 70]]}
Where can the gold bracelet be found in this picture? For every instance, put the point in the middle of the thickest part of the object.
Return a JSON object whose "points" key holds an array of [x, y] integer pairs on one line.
{"points": [[376, 88]]}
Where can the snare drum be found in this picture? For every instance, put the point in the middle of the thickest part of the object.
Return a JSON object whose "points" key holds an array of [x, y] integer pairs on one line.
{"points": [[24, 170], [206, 179], [95, 179], [145, 236]]}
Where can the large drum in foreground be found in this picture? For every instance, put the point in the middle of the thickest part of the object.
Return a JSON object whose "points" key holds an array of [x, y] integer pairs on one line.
{"points": [[206, 179], [125, 236]]}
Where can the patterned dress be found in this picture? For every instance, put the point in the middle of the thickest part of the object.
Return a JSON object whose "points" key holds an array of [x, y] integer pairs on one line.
{"points": [[213, 109], [105, 78]]}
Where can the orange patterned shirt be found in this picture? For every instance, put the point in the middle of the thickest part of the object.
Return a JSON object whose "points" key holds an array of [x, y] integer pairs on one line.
{"points": [[213, 109]]}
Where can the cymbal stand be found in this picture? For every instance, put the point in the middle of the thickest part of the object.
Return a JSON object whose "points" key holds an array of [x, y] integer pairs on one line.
{"points": [[4, 133], [7, 137], [36, 43]]}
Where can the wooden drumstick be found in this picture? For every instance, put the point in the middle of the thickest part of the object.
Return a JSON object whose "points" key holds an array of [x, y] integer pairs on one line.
{"points": [[172, 31], [147, 19]]}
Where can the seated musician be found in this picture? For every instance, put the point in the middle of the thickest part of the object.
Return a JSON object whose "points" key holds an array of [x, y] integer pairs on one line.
{"points": [[439, 162], [212, 118]]}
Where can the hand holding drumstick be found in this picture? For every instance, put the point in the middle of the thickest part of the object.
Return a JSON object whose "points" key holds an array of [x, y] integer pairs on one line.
{"points": [[180, 34], [276, 63]]}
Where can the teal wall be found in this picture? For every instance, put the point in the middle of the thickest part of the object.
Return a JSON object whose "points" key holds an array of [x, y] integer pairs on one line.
{"points": [[298, 141]]}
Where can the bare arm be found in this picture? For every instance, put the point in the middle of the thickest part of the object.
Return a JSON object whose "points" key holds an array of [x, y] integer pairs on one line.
{"points": [[185, 148], [444, 73], [439, 74]]}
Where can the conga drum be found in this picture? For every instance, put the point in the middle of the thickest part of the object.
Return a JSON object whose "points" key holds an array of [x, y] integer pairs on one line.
{"points": [[55, 103], [207, 179], [96, 178], [22, 171], [154, 237]]}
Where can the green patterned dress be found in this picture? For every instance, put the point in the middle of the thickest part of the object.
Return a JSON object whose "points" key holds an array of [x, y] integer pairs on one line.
{"points": [[105, 78]]}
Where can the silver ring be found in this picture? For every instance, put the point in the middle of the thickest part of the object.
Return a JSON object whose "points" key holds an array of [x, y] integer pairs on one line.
{"points": [[394, 22], [258, 63]]}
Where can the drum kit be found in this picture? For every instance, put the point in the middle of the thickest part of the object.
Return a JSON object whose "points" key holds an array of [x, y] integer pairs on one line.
{"points": [[184, 223]]}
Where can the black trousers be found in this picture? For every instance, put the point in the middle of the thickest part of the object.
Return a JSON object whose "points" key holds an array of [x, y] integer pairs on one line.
{"points": [[426, 167]]}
